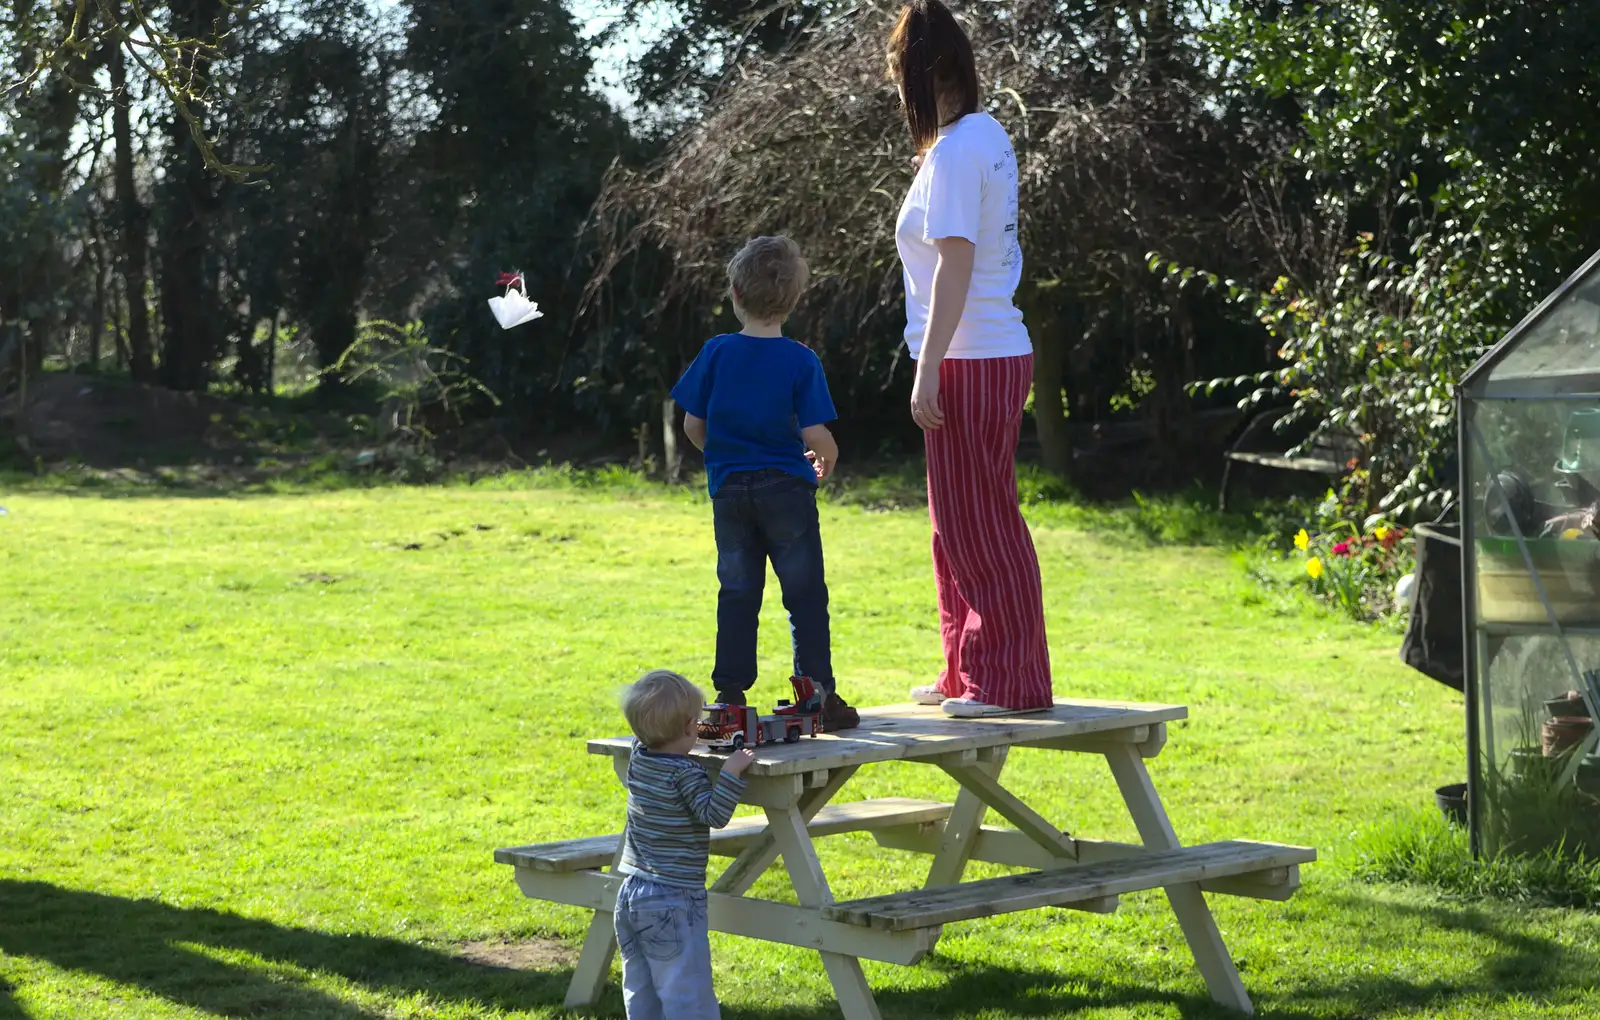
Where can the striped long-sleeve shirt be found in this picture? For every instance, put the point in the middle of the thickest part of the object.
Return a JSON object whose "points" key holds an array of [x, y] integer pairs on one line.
{"points": [[672, 808]]}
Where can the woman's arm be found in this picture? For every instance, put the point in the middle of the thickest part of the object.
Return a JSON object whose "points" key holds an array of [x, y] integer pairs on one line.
{"points": [[952, 278]]}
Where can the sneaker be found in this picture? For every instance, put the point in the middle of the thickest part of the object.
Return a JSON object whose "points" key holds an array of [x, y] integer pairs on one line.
{"points": [[967, 708], [838, 715], [927, 694], [730, 697]]}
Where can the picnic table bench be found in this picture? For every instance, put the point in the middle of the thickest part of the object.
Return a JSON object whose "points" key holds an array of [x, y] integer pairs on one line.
{"points": [[1330, 457], [794, 784]]}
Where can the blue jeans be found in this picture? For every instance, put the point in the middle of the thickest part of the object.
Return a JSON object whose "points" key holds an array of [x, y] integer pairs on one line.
{"points": [[666, 952], [761, 516]]}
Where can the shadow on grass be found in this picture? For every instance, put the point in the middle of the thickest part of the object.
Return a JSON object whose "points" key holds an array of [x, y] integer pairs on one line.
{"points": [[1521, 967], [1002, 991], [9, 1010], [232, 966], [173, 952]]}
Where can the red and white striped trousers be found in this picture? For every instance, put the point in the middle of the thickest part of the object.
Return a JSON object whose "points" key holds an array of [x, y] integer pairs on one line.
{"points": [[991, 604]]}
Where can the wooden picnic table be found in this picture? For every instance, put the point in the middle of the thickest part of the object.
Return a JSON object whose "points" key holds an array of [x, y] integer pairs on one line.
{"points": [[794, 784]]}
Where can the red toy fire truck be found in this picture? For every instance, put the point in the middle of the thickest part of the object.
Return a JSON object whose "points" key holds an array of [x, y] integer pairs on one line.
{"points": [[729, 727]]}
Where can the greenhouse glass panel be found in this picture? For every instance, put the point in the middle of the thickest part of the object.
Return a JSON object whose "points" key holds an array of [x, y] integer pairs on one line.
{"points": [[1530, 435]]}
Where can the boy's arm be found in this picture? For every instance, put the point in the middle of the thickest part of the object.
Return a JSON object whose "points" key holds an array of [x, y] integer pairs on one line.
{"points": [[814, 406], [824, 451], [709, 805], [693, 394], [695, 429]]}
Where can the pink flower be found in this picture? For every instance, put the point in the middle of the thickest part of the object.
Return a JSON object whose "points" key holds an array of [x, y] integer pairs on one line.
{"points": [[1341, 549]]}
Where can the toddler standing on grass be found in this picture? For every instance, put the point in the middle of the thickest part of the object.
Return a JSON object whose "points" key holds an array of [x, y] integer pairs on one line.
{"points": [[672, 808], [757, 402]]}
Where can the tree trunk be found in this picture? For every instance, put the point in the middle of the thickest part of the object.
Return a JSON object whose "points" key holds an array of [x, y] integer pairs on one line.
{"points": [[344, 244], [189, 316], [673, 462], [188, 328], [1169, 408], [97, 319], [1049, 411], [270, 371], [134, 222], [119, 325], [19, 428]]}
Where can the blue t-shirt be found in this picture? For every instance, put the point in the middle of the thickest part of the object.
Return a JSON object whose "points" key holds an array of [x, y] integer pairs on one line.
{"points": [[755, 393]]}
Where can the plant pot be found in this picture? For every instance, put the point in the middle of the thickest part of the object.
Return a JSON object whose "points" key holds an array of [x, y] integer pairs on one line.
{"points": [[1529, 763], [1569, 705], [1565, 731], [1452, 801]]}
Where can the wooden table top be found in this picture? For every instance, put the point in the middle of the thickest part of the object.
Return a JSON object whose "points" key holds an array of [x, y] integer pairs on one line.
{"points": [[892, 732]]}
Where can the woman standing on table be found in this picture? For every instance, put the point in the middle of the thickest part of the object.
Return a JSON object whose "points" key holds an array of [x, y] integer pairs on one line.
{"points": [[957, 238]]}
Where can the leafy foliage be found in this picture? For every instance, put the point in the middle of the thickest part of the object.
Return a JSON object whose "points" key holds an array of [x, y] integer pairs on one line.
{"points": [[1352, 567], [1123, 140], [1441, 145], [422, 386], [1363, 194]]}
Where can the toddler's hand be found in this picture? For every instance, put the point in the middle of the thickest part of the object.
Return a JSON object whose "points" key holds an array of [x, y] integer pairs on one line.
{"points": [[738, 761]]}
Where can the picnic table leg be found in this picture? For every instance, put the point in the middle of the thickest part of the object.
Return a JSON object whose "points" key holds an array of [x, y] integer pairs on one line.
{"points": [[756, 858], [599, 949], [788, 828], [1029, 822], [600, 943], [959, 838], [1188, 902]]}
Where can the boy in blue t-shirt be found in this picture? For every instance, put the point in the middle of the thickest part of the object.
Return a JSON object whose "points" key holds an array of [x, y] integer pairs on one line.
{"points": [[755, 403]]}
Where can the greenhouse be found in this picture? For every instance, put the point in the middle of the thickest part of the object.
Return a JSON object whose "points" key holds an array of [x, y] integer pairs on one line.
{"points": [[1530, 444]]}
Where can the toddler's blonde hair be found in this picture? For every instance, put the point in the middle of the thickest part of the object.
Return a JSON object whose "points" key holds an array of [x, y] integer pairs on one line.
{"points": [[768, 276], [659, 705]]}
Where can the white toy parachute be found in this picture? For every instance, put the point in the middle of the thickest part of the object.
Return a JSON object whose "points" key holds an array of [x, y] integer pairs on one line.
{"points": [[514, 308]]}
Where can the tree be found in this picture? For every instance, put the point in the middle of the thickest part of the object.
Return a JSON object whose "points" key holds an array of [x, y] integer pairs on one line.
{"points": [[702, 40], [1448, 151], [1124, 144], [53, 39], [42, 198], [315, 103], [507, 170], [133, 217], [191, 316]]}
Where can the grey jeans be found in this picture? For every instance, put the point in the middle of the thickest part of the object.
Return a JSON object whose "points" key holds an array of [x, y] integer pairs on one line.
{"points": [[666, 952]]}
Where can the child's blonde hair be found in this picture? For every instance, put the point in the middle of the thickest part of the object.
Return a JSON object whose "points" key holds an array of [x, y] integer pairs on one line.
{"points": [[659, 705], [768, 276]]}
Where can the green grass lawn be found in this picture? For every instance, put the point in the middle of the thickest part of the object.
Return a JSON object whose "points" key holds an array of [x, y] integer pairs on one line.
{"points": [[256, 753]]}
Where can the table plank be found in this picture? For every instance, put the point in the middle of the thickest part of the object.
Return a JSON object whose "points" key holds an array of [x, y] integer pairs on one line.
{"points": [[925, 908], [896, 732], [731, 840]]}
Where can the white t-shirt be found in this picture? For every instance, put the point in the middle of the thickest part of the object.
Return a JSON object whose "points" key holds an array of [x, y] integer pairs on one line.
{"points": [[966, 187]]}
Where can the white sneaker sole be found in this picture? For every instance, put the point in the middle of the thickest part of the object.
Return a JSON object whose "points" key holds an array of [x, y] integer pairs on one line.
{"points": [[927, 695], [961, 708]]}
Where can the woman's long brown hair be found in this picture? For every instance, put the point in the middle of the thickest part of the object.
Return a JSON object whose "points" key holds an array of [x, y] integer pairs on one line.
{"points": [[930, 55]]}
